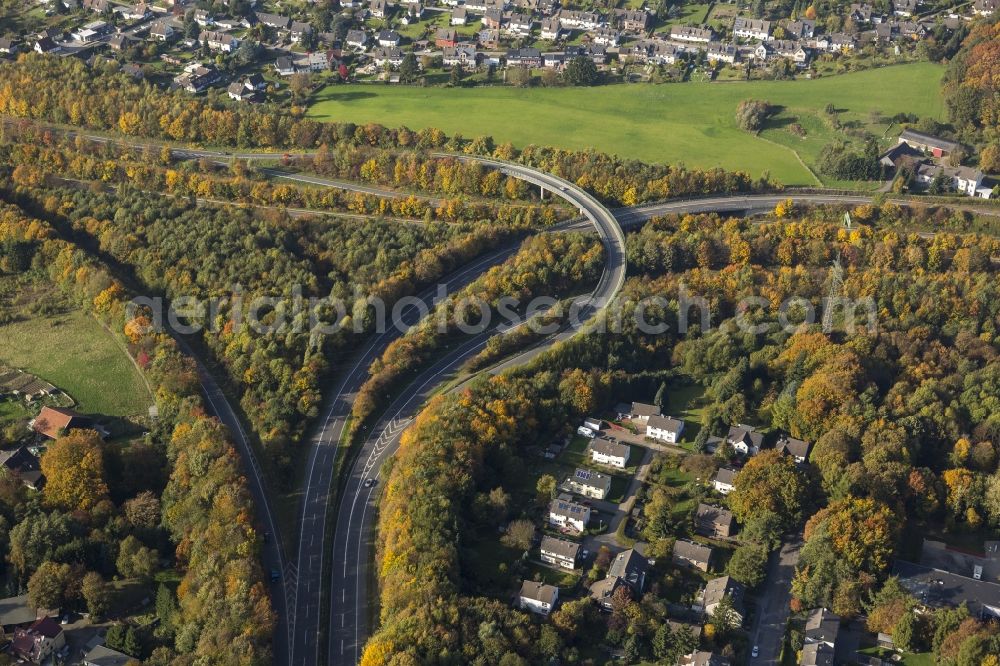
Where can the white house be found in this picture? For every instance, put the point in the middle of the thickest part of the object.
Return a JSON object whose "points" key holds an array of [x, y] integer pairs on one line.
{"points": [[664, 428], [796, 448], [588, 483], [560, 552], [564, 513], [538, 597], [751, 28], [745, 440], [606, 452], [724, 480]]}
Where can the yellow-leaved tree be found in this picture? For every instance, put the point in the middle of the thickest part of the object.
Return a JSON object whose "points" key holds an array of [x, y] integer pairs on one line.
{"points": [[74, 471]]}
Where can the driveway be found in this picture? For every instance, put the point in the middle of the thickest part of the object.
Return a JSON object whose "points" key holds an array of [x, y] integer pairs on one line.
{"points": [[772, 604]]}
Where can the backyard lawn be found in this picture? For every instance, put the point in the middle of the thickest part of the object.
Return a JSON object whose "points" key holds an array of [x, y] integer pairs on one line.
{"points": [[76, 354], [690, 123]]}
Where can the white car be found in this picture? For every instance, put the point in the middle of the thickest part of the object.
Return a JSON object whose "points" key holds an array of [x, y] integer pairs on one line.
{"points": [[369, 483], [755, 652]]}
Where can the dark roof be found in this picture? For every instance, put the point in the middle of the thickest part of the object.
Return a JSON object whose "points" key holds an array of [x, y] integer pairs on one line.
{"points": [[936, 588], [538, 591], [817, 654], [561, 547], [630, 566], [609, 448], [642, 409], [589, 477], [746, 434], [794, 447], [914, 136], [105, 656], [724, 586], [15, 611], [690, 550], [714, 515], [823, 625], [726, 475], [668, 423]]}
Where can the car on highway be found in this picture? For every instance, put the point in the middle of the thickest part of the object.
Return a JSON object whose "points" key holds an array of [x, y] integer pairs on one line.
{"points": [[369, 483], [755, 652], [275, 575]]}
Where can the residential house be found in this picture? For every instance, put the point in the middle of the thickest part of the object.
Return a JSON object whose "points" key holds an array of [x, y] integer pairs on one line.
{"points": [[133, 69], [629, 568], [606, 36], [388, 38], [816, 654], [526, 57], [197, 78], [928, 143], [801, 29], [580, 20], [378, 9], [745, 440], [588, 483], [285, 66], [463, 55], [864, 13], [203, 18], [90, 31], [904, 7], [718, 589], [664, 428], [641, 412], [656, 52], [16, 612], [459, 16], [39, 641], [713, 521], [53, 422], [687, 33], [518, 24], [596, 52], [691, 554], [632, 20], [719, 52], [751, 28], [724, 480], [703, 658], [551, 29], [356, 39], [840, 42], [23, 384], [299, 31], [796, 448], [445, 37], [822, 626], [567, 514], [561, 552], [97, 6], [8, 46], [392, 56], [161, 31], [240, 93], [219, 41], [493, 19], [413, 12], [538, 597], [102, 655], [965, 180], [947, 578], [318, 61], [136, 12], [275, 21], [985, 7], [606, 452], [488, 39]]}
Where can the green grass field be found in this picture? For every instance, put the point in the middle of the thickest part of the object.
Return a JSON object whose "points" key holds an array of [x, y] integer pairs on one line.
{"points": [[690, 123], [75, 353]]}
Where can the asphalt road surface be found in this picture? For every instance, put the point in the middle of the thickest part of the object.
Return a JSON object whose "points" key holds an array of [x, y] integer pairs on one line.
{"points": [[772, 606]]}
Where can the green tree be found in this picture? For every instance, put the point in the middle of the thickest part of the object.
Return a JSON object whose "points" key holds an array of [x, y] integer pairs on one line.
{"points": [[751, 114], [409, 69], [136, 560], [96, 593], [546, 487], [748, 564], [581, 71], [771, 482], [48, 587]]}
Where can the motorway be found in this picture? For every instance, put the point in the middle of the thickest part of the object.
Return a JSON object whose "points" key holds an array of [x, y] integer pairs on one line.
{"points": [[299, 638]]}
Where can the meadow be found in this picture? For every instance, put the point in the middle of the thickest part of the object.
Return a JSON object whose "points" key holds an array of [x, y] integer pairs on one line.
{"points": [[690, 123], [75, 353]]}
